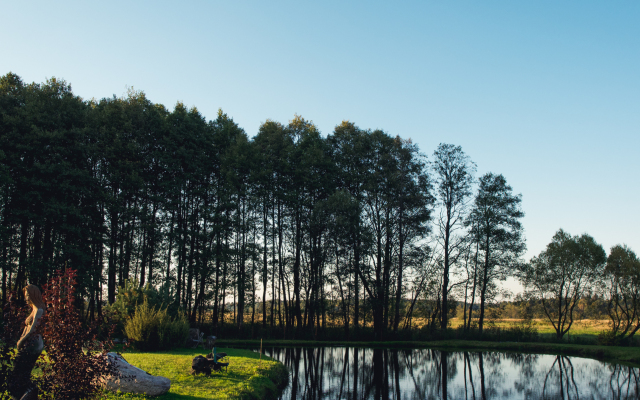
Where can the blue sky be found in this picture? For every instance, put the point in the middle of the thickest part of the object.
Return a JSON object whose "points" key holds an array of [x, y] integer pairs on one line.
{"points": [[546, 93]]}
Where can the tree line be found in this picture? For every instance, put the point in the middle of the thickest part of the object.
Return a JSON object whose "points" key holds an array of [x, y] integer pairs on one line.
{"points": [[286, 230]]}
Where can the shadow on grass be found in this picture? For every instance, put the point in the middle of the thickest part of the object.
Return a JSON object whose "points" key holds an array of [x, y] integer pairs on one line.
{"points": [[166, 396], [174, 396]]}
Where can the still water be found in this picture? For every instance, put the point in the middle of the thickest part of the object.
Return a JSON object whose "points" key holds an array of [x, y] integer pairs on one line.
{"points": [[365, 373]]}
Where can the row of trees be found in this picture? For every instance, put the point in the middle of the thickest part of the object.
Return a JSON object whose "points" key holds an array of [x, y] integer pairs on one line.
{"points": [[291, 228], [572, 267]]}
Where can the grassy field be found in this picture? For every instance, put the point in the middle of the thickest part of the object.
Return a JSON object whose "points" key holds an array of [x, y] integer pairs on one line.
{"points": [[579, 327], [247, 377]]}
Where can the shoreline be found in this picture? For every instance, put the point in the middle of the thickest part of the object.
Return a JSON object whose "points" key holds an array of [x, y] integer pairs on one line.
{"points": [[629, 356]]}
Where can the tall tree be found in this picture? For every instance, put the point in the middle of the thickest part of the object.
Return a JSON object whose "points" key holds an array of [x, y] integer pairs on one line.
{"points": [[311, 183], [349, 145], [495, 216], [453, 172], [412, 200], [274, 145]]}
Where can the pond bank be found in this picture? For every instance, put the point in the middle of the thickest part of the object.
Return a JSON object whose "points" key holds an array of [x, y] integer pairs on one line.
{"points": [[615, 354]]}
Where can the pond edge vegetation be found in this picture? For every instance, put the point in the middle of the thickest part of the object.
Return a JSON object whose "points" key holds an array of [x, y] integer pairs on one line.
{"points": [[616, 354]]}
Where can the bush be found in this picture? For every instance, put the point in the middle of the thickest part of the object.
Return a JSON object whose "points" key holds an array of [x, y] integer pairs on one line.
{"points": [[131, 295], [154, 329], [76, 359], [13, 317], [610, 338]]}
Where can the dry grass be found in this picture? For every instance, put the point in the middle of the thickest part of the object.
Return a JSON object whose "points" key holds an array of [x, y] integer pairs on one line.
{"points": [[579, 327]]}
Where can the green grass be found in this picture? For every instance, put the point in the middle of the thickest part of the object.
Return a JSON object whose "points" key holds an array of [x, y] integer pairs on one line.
{"points": [[247, 377]]}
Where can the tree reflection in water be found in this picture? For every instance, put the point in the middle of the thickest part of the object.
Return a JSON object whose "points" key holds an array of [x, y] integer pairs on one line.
{"points": [[365, 373]]}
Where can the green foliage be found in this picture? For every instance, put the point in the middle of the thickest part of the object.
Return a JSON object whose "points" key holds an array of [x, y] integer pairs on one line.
{"points": [[621, 285], [152, 328], [496, 235], [169, 197], [131, 295], [608, 338], [562, 274]]}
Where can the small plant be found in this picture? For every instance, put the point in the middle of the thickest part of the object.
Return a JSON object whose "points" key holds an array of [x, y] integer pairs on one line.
{"points": [[153, 329]]}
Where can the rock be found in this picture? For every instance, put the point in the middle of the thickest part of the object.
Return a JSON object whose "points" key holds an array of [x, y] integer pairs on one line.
{"points": [[134, 380]]}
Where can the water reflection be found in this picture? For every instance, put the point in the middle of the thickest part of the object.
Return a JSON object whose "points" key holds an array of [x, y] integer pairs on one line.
{"points": [[364, 373]]}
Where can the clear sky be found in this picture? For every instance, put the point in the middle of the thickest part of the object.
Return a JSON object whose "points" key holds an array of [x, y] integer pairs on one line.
{"points": [[545, 92]]}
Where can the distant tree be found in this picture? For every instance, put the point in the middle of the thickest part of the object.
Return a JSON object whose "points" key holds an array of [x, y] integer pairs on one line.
{"points": [[453, 174], [495, 216], [622, 290], [562, 274]]}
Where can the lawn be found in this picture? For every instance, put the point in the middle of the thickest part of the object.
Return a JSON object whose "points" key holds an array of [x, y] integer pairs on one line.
{"points": [[247, 377]]}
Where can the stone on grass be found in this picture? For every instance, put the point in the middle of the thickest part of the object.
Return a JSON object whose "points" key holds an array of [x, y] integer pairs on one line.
{"points": [[134, 380]]}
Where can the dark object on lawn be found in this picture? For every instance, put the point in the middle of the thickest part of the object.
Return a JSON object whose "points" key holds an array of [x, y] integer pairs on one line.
{"points": [[202, 365]]}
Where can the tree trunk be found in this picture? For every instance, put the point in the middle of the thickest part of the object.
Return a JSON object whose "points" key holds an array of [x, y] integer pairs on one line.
{"points": [[296, 271], [396, 321], [444, 317], [111, 278], [264, 264], [483, 292]]}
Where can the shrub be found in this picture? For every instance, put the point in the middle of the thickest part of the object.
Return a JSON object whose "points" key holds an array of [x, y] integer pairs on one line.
{"points": [[175, 332], [610, 338], [154, 329], [76, 359], [13, 317], [131, 295]]}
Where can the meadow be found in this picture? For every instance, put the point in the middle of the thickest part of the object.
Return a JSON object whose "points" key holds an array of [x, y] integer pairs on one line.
{"points": [[543, 326]]}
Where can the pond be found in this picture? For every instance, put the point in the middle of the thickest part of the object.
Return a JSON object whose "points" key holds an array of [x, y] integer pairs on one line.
{"points": [[366, 373]]}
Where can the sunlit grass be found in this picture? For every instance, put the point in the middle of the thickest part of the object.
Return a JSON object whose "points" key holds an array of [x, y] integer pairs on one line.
{"points": [[543, 326], [246, 378]]}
